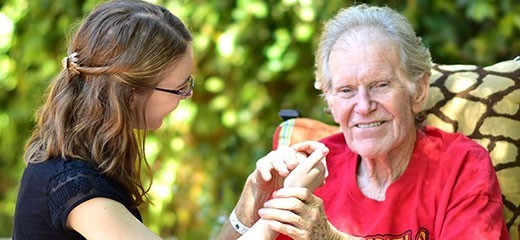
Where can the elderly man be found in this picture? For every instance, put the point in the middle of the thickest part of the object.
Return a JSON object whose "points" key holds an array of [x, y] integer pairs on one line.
{"points": [[389, 177]]}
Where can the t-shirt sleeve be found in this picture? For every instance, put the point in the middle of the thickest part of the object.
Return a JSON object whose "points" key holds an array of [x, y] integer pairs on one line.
{"points": [[76, 182]]}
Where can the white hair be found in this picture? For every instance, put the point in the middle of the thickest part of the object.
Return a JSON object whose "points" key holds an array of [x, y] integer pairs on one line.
{"points": [[414, 56]]}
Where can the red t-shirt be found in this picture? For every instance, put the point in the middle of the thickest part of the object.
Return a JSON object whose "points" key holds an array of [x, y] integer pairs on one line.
{"points": [[448, 191]]}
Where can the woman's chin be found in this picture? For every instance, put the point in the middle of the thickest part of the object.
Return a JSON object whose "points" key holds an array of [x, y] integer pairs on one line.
{"points": [[151, 126], [155, 126]]}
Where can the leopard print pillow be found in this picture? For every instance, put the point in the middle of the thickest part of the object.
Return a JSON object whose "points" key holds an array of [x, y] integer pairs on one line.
{"points": [[483, 103]]}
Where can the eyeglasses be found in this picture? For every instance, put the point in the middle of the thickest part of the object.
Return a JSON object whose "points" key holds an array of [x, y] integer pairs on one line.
{"points": [[185, 91]]}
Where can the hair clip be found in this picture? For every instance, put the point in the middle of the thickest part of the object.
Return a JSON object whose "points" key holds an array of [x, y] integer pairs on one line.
{"points": [[71, 62]]}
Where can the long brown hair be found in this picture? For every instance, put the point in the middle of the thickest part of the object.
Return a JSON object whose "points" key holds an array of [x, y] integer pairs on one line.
{"points": [[121, 49]]}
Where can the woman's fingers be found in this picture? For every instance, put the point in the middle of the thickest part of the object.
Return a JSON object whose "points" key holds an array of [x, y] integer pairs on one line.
{"points": [[309, 147], [316, 176]]}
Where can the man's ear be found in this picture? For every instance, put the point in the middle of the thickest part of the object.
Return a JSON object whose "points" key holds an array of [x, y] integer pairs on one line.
{"points": [[423, 86], [330, 109]]}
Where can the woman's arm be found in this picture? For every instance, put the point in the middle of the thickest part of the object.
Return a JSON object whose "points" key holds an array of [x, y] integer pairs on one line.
{"points": [[104, 218]]}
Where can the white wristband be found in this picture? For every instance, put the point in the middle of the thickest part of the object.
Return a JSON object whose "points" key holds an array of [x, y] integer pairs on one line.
{"points": [[237, 225]]}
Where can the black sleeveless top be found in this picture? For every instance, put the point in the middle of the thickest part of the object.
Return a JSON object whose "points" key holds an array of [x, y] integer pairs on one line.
{"points": [[51, 189]]}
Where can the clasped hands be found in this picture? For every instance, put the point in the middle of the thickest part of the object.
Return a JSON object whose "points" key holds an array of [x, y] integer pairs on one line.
{"points": [[301, 165], [290, 175]]}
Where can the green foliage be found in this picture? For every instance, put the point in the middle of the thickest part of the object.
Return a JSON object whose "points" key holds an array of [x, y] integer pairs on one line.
{"points": [[253, 58]]}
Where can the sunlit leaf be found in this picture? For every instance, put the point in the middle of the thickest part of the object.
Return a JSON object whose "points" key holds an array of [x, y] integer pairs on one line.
{"points": [[229, 118], [219, 103], [481, 10], [304, 32]]}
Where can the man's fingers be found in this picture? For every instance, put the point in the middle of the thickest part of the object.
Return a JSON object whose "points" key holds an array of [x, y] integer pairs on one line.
{"points": [[286, 216], [281, 161], [308, 146], [291, 157], [301, 193], [286, 229], [316, 151], [284, 203], [265, 166], [316, 158], [265, 174]]}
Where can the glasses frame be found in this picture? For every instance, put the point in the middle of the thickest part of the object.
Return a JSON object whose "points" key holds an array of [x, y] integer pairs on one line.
{"points": [[184, 93]]}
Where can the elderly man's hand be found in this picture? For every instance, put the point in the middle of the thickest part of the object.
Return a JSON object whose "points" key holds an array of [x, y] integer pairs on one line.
{"points": [[304, 161], [299, 214]]}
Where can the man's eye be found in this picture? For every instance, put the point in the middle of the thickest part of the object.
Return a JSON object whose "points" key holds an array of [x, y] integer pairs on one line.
{"points": [[382, 85], [345, 92]]}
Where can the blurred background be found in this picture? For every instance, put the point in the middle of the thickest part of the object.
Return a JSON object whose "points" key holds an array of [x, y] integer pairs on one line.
{"points": [[253, 58]]}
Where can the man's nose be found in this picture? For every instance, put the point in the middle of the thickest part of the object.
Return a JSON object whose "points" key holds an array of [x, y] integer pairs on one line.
{"points": [[364, 104]]}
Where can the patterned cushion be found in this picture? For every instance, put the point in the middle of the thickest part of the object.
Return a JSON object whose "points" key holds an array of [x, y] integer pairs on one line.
{"points": [[480, 102], [301, 129], [484, 104]]}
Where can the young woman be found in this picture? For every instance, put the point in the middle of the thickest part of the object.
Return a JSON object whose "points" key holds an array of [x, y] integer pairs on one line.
{"points": [[129, 65]]}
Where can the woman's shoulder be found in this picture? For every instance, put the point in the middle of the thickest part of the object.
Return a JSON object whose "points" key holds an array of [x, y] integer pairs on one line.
{"points": [[53, 187], [74, 173], [73, 177], [65, 168], [74, 182], [59, 166], [42, 174]]}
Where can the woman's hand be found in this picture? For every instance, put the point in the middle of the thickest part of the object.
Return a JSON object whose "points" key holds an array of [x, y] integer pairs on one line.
{"points": [[312, 167]]}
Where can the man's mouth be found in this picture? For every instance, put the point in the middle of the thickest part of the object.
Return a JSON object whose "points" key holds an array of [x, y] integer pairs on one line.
{"points": [[370, 125]]}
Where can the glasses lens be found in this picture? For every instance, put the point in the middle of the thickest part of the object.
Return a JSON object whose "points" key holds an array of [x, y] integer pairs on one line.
{"points": [[187, 90]]}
